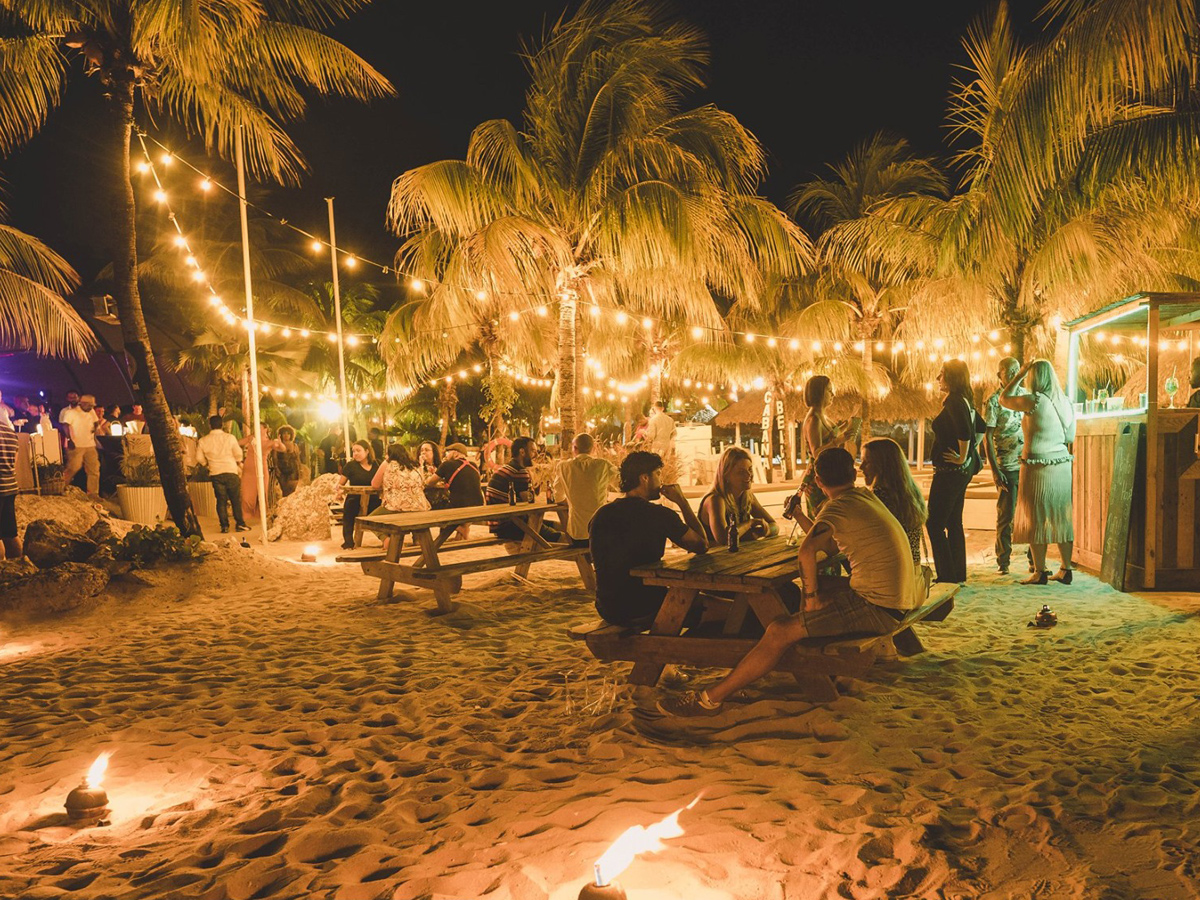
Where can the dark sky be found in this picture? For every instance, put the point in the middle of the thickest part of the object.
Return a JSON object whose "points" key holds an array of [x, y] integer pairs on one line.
{"points": [[810, 79]]}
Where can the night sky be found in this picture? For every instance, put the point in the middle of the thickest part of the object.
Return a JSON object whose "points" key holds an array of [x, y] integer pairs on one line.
{"points": [[810, 79]]}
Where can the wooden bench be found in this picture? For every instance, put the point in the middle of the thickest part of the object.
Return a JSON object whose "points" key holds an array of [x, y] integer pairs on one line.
{"points": [[755, 578], [429, 531], [372, 554]]}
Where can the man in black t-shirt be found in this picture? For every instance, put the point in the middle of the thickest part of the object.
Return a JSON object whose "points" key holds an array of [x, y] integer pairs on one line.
{"points": [[632, 531]]}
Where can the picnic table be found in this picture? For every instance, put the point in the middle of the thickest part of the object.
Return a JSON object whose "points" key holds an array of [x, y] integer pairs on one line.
{"points": [[754, 575], [429, 531]]}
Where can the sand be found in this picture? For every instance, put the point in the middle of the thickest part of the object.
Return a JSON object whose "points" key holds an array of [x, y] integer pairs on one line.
{"points": [[279, 734]]}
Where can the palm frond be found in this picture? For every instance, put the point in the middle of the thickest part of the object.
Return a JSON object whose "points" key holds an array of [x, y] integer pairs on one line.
{"points": [[32, 80]]}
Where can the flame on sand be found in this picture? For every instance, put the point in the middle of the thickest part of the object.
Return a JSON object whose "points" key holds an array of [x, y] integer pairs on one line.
{"points": [[635, 840], [95, 775]]}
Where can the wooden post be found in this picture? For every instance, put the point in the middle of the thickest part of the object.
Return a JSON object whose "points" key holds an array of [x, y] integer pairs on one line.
{"points": [[912, 439], [921, 444], [1152, 450], [737, 434]]}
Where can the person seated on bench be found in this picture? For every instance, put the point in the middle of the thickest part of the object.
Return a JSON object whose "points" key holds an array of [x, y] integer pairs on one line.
{"points": [[731, 497], [632, 531], [515, 473], [881, 589], [583, 482], [460, 477]]}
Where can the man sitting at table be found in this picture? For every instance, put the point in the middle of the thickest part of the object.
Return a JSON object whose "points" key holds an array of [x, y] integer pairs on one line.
{"points": [[882, 587], [632, 531], [515, 474], [583, 482]]}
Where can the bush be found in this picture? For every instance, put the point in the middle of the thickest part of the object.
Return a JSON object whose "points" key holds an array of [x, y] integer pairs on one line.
{"points": [[144, 546]]}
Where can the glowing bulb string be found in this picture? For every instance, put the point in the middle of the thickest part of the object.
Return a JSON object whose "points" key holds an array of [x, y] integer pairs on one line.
{"points": [[420, 284]]}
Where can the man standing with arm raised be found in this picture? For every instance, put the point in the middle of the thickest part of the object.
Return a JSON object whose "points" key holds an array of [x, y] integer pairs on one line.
{"points": [[1003, 440]]}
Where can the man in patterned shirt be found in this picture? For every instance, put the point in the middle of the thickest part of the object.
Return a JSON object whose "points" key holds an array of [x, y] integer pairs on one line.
{"points": [[8, 487], [1004, 441]]}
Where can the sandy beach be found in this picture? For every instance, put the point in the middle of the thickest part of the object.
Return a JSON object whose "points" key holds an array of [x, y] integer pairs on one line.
{"points": [[277, 733]]}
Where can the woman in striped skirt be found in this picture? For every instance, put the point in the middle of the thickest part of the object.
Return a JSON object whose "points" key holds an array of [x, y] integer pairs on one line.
{"points": [[1044, 509]]}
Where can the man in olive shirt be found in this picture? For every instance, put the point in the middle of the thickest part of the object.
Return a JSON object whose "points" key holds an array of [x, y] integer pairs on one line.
{"points": [[881, 588]]}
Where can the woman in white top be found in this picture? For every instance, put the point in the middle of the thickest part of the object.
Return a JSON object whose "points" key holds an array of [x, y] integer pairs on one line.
{"points": [[1044, 506]]}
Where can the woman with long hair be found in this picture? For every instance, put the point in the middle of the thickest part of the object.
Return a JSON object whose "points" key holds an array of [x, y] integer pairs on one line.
{"points": [[732, 499], [359, 472], [886, 472], [287, 460], [429, 459], [954, 456], [818, 433], [400, 483], [1044, 504]]}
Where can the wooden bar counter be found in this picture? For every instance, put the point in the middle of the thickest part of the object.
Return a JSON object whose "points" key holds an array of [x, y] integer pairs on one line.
{"points": [[1163, 554]]}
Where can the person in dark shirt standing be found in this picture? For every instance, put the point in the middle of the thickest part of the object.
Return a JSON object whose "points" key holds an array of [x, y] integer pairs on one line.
{"points": [[8, 487], [953, 438], [632, 531]]}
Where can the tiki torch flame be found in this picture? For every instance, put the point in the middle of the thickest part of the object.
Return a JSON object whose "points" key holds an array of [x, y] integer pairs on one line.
{"points": [[635, 840], [95, 775]]}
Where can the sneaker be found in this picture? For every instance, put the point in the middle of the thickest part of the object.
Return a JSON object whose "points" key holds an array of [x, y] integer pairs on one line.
{"points": [[243, 527], [687, 705], [224, 529]]}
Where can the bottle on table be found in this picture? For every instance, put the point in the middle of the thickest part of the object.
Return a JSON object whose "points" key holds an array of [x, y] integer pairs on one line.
{"points": [[732, 532], [512, 494]]}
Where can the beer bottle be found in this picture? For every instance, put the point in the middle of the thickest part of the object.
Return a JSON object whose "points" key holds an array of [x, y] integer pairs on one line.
{"points": [[732, 532]]}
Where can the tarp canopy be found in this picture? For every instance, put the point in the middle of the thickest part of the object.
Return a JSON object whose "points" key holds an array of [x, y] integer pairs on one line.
{"points": [[106, 374]]}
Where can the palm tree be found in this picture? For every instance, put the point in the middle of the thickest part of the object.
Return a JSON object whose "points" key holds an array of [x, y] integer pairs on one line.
{"points": [[610, 194], [33, 312], [870, 265], [221, 68], [1034, 230]]}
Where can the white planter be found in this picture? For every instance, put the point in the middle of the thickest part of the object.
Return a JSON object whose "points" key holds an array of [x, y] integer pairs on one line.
{"points": [[145, 505], [203, 499]]}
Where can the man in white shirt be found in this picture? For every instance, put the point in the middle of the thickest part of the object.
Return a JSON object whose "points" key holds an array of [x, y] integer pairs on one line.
{"points": [[220, 452], [81, 424], [583, 482], [660, 432]]}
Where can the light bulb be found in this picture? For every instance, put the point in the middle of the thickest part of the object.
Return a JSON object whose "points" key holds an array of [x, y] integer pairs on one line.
{"points": [[160, 195], [304, 332], [595, 311], [771, 342], [514, 316], [179, 240], [350, 262], [316, 246], [352, 340], [197, 276], [749, 339], [287, 332], [647, 323], [622, 317], [142, 167], [417, 284], [165, 159], [191, 261], [481, 296], [331, 337], [697, 332], [205, 184], [541, 311]]}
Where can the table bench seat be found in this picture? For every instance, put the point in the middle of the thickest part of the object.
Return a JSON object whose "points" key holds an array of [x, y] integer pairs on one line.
{"points": [[813, 662], [511, 561], [363, 554]]}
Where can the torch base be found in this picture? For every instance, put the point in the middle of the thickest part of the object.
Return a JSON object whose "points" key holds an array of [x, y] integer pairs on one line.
{"points": [[610, 891], [87, 805]]}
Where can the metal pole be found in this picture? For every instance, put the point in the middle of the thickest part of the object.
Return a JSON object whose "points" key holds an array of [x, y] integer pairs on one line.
{"points": [[337, 314], [250, 332]]}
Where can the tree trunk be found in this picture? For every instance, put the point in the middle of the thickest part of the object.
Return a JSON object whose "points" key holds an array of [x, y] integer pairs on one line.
{"points": [[164, 435], [568, 312], [867, 361], [447, 407]]}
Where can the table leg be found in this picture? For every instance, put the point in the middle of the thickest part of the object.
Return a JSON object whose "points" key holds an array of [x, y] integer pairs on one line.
{"points": [[737, 616], [587, 574], [442, 588], [394, 544], [668, 621], [533, 540]]}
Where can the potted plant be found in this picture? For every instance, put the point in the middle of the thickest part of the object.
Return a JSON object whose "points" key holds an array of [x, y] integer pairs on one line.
{"points": [[141, 496], [50, 477], [200, 489]]}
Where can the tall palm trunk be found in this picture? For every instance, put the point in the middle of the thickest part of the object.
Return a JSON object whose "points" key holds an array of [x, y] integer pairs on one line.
{"points": [[164, 436], [568, 312], [867, 361], [447, 407]]}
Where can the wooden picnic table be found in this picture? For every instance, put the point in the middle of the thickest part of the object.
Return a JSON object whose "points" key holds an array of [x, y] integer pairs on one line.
{"points": [[429, 530], [755, 575]]}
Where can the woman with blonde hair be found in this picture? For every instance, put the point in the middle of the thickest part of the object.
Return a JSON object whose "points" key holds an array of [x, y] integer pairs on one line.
{"points": [[732, 501], [886, 472], [819, 433], [1044, 506]]}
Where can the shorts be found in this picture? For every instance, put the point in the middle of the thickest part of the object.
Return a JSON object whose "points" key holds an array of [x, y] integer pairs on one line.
{"points": [[844, 611], [8, 516]]}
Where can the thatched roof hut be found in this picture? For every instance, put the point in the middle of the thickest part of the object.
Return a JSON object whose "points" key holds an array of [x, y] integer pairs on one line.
{"points": [[1170, 360], [903, 403]]}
